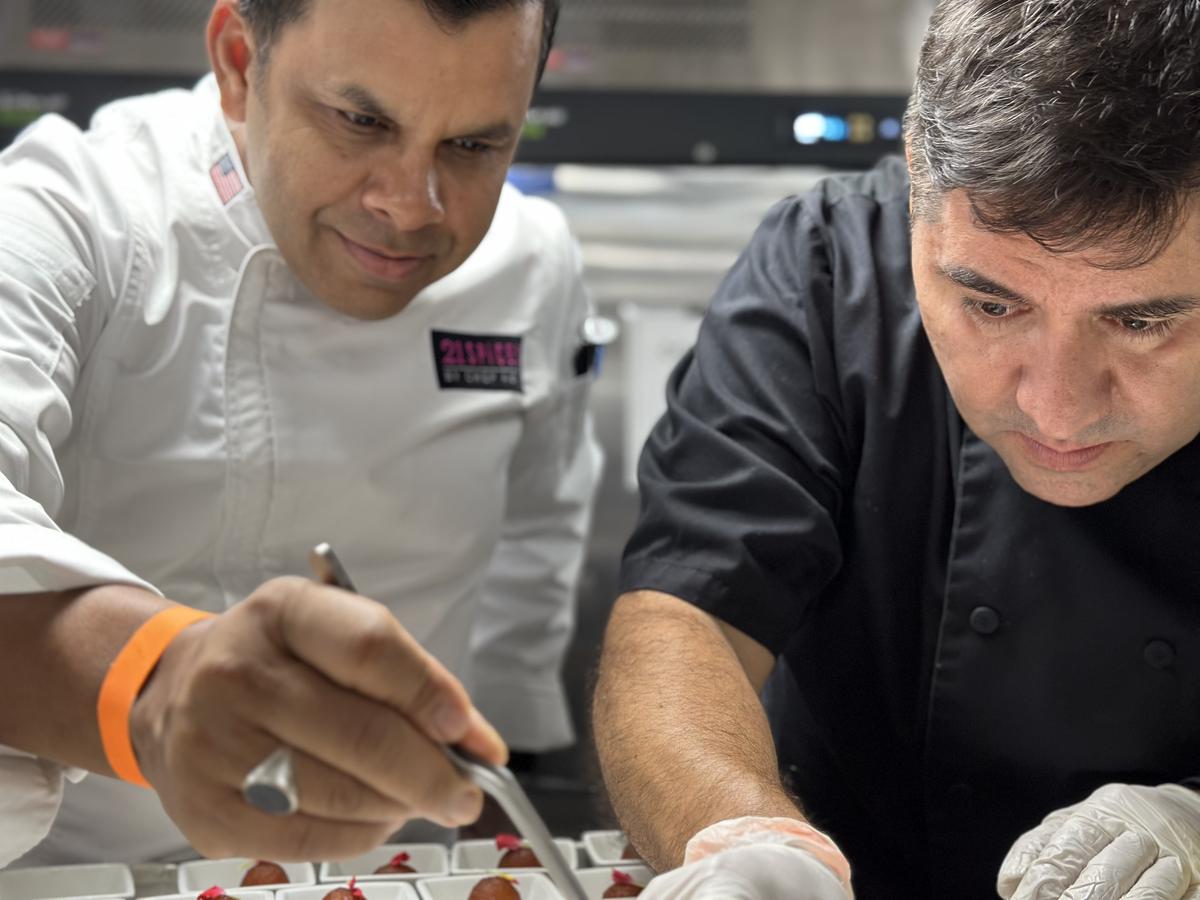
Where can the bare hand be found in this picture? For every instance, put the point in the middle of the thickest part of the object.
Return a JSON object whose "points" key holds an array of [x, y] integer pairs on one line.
{"points": [[335, 677]]}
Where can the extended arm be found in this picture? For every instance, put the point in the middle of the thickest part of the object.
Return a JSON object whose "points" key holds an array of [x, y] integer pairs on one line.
{"points": [[230, 690], [55, 649], [682, 737]]}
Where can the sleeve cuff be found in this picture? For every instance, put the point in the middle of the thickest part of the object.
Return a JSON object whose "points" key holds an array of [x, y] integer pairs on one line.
{"points": [[530, 716], [30, 793], [35, 559]]}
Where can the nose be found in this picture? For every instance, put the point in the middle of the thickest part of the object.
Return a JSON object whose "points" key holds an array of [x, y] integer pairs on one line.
{"points": [[1065, 388], [404, 191]]}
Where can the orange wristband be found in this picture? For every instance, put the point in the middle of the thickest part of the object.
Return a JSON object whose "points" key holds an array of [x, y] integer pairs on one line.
{"points": [[124, 681]]}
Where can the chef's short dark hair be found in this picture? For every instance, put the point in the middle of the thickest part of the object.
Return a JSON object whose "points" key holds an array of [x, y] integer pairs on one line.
{"points": [[268, 17], [1076, 122]]}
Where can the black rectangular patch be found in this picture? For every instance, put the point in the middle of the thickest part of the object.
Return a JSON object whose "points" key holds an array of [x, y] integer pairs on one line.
{"points": [[477, 362]]}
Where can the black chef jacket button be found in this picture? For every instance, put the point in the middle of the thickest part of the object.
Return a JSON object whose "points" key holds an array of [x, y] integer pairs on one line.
{"points": [[984, 620], [1158, 654]]}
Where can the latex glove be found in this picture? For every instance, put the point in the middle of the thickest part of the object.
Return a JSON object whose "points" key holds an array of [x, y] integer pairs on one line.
{"points": [[1124, 841], [757, 859]]}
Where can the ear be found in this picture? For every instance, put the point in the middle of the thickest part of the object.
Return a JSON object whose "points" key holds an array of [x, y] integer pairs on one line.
{"points": [[231, 51]]}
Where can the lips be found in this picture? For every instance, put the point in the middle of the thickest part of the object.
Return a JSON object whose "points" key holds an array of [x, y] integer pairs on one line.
{"points": [[1070, 460], [382, 265]]}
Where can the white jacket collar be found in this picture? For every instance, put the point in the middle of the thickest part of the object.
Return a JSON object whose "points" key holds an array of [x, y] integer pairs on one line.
{"points": [[229, 186]]}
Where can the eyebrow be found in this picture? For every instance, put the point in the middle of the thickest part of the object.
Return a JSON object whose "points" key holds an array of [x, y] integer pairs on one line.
{"points": [[364, 101], [1154, 308]]}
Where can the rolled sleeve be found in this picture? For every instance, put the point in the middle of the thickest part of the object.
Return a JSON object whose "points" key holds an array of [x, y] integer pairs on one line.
{"points": [[65, 254], [30, 793], [742, 480]]}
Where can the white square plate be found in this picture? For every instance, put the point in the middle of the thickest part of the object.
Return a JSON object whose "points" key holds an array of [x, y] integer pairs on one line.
{"points": [[375, 890], [234, 893], [531, 885], [596, 881], [605, 847], [482, 856], [201, 874], [430, 861], [90, 881]]}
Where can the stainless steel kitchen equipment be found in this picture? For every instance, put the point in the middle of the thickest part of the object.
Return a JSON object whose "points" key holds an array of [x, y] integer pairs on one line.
{"points": [[638, 81]]}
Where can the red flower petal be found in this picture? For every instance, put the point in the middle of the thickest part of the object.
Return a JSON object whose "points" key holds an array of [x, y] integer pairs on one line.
{"points": [[508, 842]]}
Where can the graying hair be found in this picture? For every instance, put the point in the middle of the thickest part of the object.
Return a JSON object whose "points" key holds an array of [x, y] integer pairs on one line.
{"points": [[1075, 122]]}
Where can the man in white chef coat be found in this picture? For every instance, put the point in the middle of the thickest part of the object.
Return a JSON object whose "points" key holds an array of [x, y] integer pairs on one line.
{"points": [[296, 304]]}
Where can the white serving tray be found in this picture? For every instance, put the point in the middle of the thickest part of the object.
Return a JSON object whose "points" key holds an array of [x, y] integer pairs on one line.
{"points": [[532, 884], [201, 874], [375, 890], [596, 881], [92, 881], [234, 892], [604, 848], [430, 861], [482, 856]]}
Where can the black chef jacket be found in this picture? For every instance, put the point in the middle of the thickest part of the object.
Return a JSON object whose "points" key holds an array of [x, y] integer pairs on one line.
{"points": [[956, 658]]}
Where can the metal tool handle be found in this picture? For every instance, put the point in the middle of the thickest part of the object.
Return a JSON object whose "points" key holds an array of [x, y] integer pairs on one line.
{"points": [[496, 781], [329, 569], [500, 783]]}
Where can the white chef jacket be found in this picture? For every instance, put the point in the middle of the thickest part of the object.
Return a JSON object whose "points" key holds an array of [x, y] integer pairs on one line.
{"points": [[30, 792], [178, 411]]}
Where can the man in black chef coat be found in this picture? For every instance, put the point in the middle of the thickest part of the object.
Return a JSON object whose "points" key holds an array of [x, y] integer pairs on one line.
{"points": [[931, 484]]}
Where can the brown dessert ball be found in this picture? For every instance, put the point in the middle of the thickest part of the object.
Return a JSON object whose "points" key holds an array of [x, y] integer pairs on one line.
{"points": [[495, 887], [629, 852], [350, 892], [263, 872], [622, 886], [622, 890], [397, 865], [520, 858]]}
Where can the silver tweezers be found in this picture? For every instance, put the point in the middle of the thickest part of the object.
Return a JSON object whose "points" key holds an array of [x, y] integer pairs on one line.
{"points": [[496, 781]]}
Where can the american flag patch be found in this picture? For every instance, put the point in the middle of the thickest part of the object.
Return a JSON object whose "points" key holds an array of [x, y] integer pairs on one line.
{"points": [[226, 179]]}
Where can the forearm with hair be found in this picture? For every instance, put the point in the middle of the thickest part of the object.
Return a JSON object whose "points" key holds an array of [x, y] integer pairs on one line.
{"points": [[55, 649], [682, 738]]}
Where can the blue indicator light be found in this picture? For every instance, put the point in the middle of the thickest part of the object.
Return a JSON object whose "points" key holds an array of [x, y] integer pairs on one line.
{"points": [[836, 129], [890, 129]]}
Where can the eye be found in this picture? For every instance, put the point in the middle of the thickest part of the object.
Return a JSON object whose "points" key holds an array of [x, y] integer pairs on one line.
{"points": [[360, 121], [473, 148], [988, 312], [1146, 328]]}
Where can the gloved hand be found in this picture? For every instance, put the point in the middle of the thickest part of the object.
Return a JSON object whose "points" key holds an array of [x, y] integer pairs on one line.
{"points": [[757, 859], [1124, 841]]}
